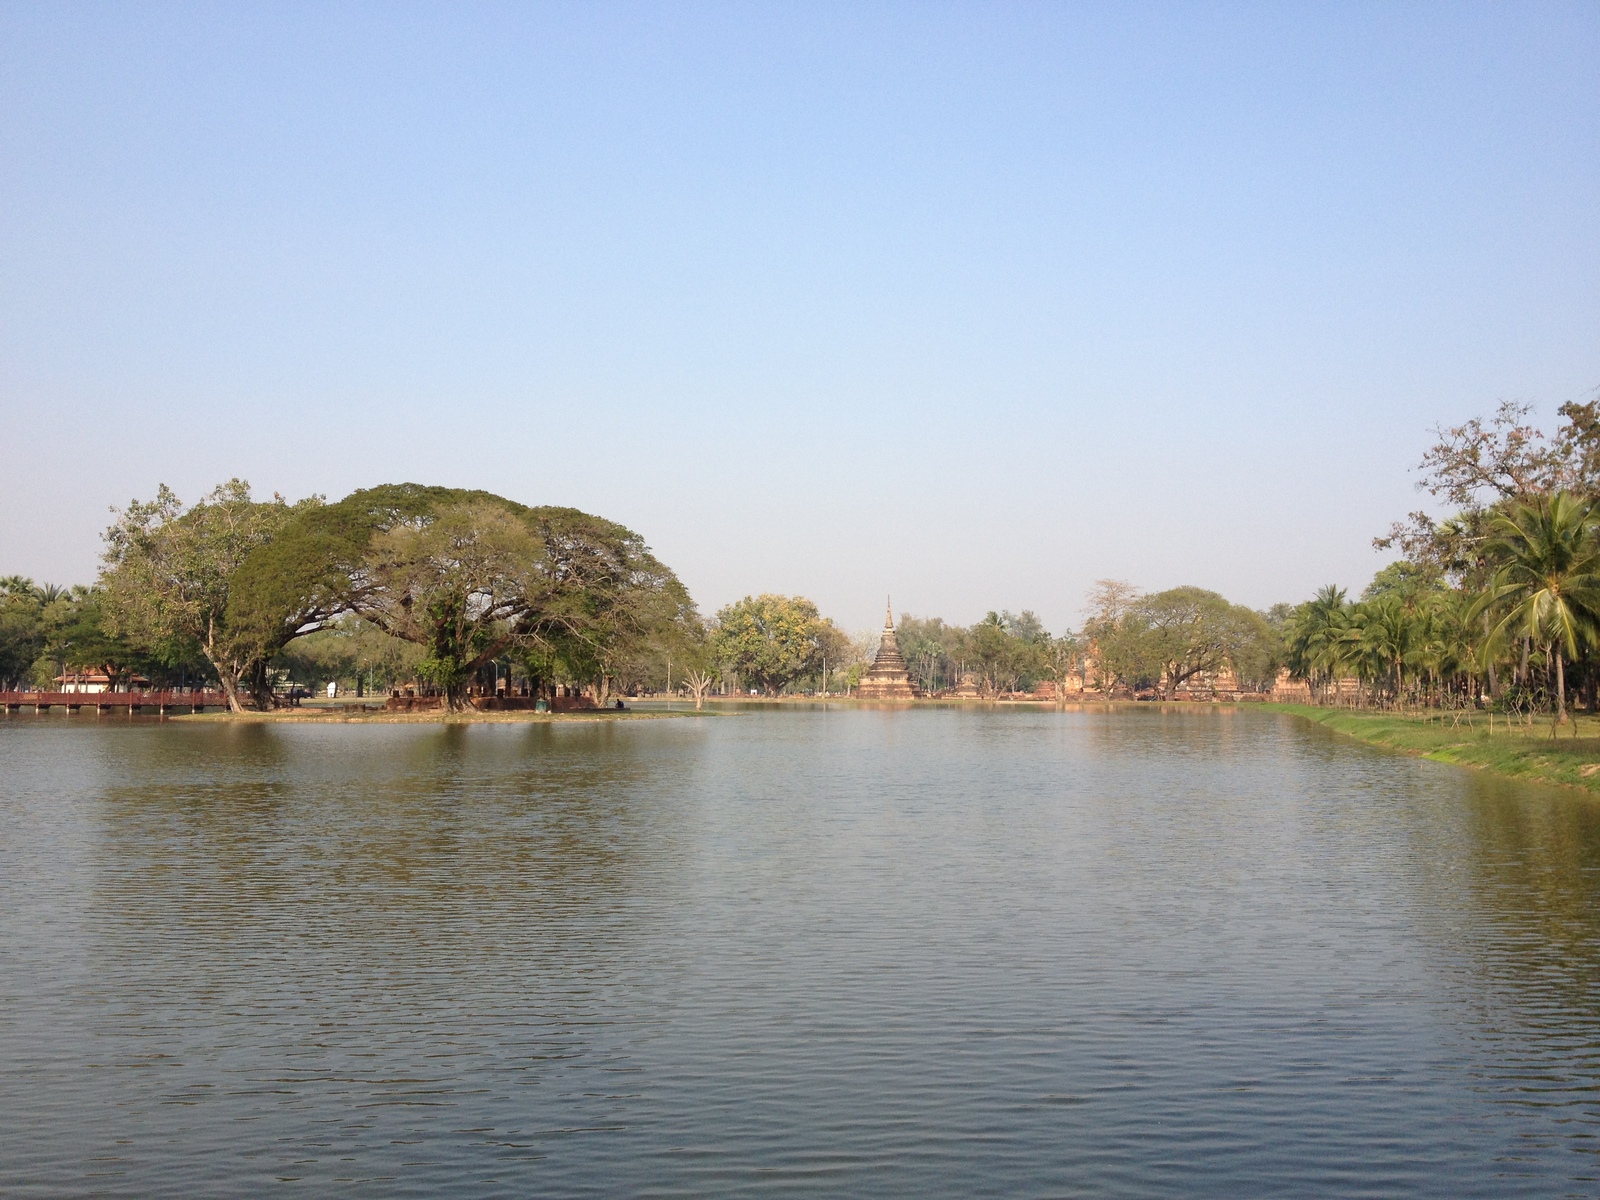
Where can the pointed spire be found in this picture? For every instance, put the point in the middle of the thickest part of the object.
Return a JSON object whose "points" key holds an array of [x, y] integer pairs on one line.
{"points": [[887, 678]]}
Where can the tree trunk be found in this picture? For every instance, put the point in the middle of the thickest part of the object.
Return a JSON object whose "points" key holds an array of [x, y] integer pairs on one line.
{"points": [[229, 680], [1494, 683], [1561, 689], [227, 672], [261, 697]]}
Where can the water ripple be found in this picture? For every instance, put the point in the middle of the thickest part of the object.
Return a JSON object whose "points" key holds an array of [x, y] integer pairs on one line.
{"points": [[926, 952]]}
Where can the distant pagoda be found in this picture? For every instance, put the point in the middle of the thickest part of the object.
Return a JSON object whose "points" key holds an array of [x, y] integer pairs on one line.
{"points": [[887, 679]]}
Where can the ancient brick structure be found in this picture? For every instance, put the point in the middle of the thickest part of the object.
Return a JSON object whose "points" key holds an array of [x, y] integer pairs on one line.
{"points": [[887, 678], [967, 689]]}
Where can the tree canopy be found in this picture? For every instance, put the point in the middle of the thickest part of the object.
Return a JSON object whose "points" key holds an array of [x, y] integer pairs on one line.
{"points": [[1167, 638], [769, 640], [169, 575], [468, 577]]}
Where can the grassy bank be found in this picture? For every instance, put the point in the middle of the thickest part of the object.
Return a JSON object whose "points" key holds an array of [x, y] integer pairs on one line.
{"points": [[1512, 749]]}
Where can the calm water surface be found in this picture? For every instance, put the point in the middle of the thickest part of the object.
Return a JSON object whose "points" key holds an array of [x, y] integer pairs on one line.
{"points": [[917, 953]]}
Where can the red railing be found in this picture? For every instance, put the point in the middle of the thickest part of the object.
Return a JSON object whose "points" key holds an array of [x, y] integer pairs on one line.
{"points": [[103, 700]]}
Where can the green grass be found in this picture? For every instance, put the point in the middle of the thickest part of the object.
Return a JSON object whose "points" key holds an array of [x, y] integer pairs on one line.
{"points": [[1513, 749]]}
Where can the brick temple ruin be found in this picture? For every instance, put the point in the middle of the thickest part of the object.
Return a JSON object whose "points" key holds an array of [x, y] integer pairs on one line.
{"points": [[887, 678]]}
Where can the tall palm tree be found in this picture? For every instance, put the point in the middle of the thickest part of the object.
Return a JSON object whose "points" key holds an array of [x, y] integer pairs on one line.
{"points": [[1384, 640], [1446, 639], [1549, 577], [1316, 646]]}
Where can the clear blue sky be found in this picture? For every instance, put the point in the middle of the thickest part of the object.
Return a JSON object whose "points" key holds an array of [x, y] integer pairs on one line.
{"points": [[970, 303]]}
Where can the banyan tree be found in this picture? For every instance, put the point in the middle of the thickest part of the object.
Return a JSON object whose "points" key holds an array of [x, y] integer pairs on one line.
{"points": [[468, 576]]}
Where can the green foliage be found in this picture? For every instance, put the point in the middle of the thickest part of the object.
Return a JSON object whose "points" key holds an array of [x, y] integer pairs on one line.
{"points": [[1480, 467], [77, 638], [169, 573], [934, 652], [1256, 650], [1167, 638], [1004, 650], [1548, 580], [22, 636], [470, 577], [1061, 658], [1404, 579], [1412, 636], [769, 640], [1398, 638], [46, 631], [350, 651]]}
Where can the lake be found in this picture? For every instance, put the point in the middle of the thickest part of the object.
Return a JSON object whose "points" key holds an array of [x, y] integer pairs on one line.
{"points": [[934, 952]]}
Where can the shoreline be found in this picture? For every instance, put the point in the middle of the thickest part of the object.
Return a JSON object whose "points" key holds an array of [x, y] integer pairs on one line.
{"points": [[1513, 751], [352, 716]]}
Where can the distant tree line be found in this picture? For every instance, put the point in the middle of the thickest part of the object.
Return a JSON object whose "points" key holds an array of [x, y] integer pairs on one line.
{"points": [[456, 590], [1131, 643], [1497, 604]]}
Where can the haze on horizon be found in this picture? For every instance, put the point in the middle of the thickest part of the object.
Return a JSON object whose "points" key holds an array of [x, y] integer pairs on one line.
{"points": [[973, 304]]}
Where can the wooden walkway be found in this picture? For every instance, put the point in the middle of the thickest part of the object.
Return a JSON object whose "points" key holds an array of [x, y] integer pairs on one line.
{"points": [[112, 701]]}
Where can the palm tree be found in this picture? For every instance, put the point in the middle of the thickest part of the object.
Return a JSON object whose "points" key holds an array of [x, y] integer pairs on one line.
{"points": [[1385, 640], [1549, 577], [1445, 640], [1316, 650]]}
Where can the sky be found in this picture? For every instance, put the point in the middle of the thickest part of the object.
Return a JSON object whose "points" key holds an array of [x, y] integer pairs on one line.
{"points": [[970, 304]]}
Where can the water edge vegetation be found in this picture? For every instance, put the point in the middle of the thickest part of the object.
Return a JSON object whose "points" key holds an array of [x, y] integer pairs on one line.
{"points": [[1491, 611]]}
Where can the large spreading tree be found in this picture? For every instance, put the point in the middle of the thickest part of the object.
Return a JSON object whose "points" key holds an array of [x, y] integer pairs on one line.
{"points": [[769, 640], [469, 577]]}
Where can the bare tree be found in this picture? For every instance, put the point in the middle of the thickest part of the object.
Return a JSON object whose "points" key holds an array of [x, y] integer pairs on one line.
{"points": [[699, 682], [1502, 459]]}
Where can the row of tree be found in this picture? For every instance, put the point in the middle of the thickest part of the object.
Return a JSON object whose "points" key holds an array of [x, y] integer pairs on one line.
{"points": [[447, 589], [46, 631], [407, 585], [456, 590], [1499, 603], [1131, 643], [442, 584]]}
